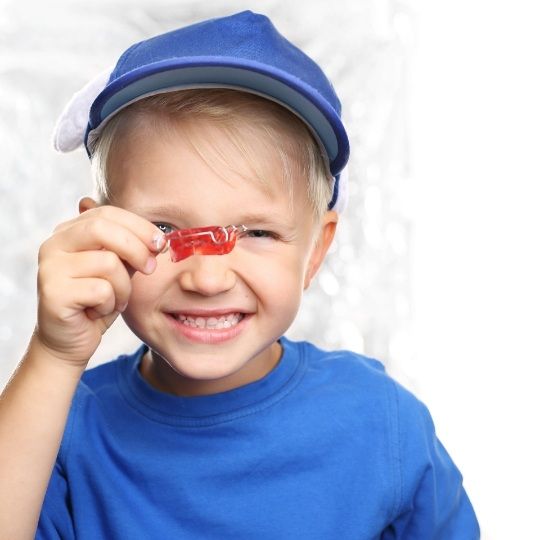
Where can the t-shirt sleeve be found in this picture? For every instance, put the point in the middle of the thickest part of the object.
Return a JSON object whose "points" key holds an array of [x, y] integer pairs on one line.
{"points": [[55, 522], [433, 503]]}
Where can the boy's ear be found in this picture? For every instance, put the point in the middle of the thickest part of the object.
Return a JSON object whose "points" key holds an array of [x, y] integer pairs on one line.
{"points": [[86, 203], [322, 243]]}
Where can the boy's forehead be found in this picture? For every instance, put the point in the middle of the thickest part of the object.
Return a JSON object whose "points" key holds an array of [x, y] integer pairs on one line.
{"points": [[167, 179], [176, 157]]}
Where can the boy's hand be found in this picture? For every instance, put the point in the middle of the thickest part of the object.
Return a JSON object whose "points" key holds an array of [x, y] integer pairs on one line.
{"points": [[84, 278]]}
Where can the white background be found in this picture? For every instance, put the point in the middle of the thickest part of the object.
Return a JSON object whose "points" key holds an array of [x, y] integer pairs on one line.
{"points": [[475, 136]]}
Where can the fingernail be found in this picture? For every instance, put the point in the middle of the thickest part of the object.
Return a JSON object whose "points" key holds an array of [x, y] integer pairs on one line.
{"points": [[150, 265], [158, 241], [122, 307]]}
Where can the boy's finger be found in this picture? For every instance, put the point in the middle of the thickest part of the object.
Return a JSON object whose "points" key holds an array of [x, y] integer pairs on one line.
{"points": [[102, 234], [96, 296], [146, 231], [63, 301], [106, 265]]}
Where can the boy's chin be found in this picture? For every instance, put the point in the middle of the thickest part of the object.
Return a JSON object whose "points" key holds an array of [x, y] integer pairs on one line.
{"points": [[199, 374]]}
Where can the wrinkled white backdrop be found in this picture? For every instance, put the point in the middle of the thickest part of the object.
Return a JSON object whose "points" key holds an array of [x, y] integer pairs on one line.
{"points": [[416, 275], [50, 49]]}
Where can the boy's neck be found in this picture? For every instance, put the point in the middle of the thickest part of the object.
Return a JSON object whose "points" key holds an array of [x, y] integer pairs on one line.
{"points": [[160, 375]]}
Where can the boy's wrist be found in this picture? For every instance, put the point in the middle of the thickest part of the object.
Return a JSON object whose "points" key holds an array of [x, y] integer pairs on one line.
{"points": [[41, 356]]}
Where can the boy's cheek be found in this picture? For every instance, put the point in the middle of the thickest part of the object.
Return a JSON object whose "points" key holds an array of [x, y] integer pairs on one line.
{"points": [[275, 276], [145, 289]]}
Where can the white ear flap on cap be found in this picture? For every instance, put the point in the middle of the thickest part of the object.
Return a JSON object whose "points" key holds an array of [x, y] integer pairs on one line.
{"points": [[70, 127], [343, 191]]}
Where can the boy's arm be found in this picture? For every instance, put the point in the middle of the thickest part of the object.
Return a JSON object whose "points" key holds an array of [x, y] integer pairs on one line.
{"points": [[33, 412], [83, 284], [433, 501]]}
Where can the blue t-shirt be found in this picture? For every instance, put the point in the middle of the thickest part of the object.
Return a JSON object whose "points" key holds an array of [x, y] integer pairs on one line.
{"points": [[326, 446]]}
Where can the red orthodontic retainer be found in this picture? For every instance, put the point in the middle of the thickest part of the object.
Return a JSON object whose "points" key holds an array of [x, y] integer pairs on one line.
{"points": [[203, 241]]}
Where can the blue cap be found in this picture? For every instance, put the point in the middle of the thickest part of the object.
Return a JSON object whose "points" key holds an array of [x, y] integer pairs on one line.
{"points": [[242, 51]]}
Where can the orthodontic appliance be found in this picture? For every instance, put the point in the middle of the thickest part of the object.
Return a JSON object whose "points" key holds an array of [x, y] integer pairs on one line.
{"points": [[214, 240]]}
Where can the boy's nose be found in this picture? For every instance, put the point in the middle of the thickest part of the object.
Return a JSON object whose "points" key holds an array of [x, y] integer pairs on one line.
{"points": [[208, 275]]}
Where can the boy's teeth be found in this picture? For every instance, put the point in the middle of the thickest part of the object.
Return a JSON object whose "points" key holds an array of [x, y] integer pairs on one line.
{"points": [[213, 323]]}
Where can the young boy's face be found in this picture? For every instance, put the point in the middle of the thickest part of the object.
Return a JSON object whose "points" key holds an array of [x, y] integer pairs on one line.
{"points": [[256, 289]]}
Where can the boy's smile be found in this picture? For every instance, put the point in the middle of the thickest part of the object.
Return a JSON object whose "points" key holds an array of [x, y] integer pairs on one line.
{"points": [[212, 321]]}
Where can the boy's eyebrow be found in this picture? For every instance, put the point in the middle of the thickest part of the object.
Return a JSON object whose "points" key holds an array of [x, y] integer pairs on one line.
{"points": [[169, 210], [262, 217], [174, 211]]}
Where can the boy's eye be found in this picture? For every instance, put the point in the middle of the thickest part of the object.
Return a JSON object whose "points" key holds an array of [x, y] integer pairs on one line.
{"points": [[164, 227], [259, 233]]}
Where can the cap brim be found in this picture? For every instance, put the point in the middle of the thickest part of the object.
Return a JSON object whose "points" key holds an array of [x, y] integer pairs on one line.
{"points": [[250, 76]]}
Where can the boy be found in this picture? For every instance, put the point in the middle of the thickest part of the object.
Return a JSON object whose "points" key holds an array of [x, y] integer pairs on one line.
{"points": [[216, 150]]}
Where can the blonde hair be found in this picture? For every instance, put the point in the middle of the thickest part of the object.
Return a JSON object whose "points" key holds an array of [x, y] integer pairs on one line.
{"points": [[243, 116]]}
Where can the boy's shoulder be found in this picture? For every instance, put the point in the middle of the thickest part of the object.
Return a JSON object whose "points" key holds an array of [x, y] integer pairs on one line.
{"points": [[342, 366], [360, 385], [346, 359], [355, 378]]}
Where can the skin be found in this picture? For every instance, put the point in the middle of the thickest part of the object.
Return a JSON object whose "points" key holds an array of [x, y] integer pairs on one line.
{"points": [[107, 261]]}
